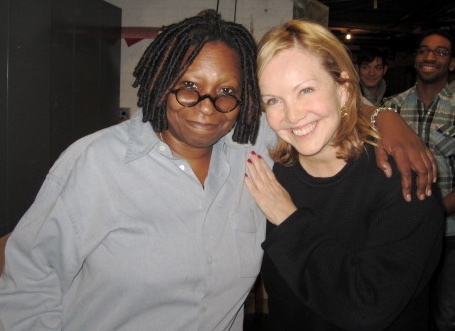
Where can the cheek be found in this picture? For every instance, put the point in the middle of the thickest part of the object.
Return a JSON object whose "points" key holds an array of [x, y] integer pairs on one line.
{"points": [[274, 119], [229, 119]]}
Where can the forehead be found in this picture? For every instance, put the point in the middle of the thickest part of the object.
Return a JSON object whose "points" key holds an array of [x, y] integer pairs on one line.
{"points": [[434, 41], [375, 62], [294, 60], [289, 68], [214, 55]]}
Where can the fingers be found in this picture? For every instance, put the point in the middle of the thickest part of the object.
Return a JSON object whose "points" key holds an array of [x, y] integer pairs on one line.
{"points": [[434, 166], [274, 201], [409, 152], [259, 170], [382, 160], [426, 170], [404, 169]]}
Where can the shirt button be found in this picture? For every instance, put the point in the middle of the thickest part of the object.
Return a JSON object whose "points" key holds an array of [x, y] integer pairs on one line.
{"points": [[162, 148], [182, 167]]}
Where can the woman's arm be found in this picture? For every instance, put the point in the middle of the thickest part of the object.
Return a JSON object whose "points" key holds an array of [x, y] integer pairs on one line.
{"points": [[408, 150], [38, 267]]}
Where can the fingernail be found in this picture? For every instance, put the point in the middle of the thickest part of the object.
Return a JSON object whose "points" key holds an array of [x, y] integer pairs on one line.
{"points": [[253, 152], [246, 175], [259, 157], [387, 172], [429, 193], [408, 197], [249, 161]]}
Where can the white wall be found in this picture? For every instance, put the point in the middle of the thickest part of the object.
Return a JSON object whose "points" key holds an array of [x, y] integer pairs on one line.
{"points": [[256, 15]]}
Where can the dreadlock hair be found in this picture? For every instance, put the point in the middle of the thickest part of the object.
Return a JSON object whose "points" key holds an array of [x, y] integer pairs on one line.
{"points": [[166, 59]]}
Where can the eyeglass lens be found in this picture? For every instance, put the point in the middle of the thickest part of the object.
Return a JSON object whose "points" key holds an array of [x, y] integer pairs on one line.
{"points": [[223, 103], [441, 52]]}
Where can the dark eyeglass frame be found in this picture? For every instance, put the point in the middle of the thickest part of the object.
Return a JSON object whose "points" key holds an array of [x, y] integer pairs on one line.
{"points": [[424, 51], [238, 102]]}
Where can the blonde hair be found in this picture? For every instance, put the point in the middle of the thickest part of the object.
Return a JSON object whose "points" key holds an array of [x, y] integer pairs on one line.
{"points": [[355, 128]]}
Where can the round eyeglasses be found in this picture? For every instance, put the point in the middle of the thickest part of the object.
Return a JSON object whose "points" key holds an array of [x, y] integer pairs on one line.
{"points": [[224, 103]]}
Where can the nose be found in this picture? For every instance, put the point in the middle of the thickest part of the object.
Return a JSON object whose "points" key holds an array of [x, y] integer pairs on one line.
{"points": [[206, 105], [430, 55], [294, 112]]}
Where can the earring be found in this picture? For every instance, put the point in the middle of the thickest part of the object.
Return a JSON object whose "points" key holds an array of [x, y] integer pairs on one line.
{"points": [[344, 111]]}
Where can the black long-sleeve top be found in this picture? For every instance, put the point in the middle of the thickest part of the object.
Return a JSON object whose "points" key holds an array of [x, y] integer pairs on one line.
{"points": [[355, 255]]}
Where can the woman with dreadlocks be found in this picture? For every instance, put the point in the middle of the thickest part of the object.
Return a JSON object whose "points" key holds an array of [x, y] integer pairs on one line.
{"points": [[147, 225]]}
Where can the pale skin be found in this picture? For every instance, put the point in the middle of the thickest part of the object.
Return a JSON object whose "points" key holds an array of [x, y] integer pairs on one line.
{"points": [[216, 70], [302, 105], [372, 73]]}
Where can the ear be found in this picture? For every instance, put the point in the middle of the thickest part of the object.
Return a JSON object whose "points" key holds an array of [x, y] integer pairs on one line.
{"points": [[385, 68], [344, 91], [452, 64]]}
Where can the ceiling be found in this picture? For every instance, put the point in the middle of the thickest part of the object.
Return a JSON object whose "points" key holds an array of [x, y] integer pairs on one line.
{"points": [[388, 23]]}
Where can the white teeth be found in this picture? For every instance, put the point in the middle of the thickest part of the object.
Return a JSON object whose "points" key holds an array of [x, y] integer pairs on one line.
{"points": [[307, 129]]}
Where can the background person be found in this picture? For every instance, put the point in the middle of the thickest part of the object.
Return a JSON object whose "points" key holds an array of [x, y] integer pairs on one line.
{"points": [[343, 250], [372, 67], [429, 108]]}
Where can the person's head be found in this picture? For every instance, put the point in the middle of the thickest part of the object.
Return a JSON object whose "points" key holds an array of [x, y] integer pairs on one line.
{"points": [[372, 66], [310, 93], [434, 57], [212, 57]]}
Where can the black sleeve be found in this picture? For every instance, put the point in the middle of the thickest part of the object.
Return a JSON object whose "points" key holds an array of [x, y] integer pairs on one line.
{"points": [[360, 288]]}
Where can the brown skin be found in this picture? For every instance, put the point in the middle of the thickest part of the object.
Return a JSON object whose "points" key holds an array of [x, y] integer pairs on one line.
{"points": [[195, 145], [432, 77], [194, 130], [407, 149], [432, 71]]}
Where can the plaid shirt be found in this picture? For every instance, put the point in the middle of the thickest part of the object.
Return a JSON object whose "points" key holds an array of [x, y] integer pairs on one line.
{"points": [[436, 126]]}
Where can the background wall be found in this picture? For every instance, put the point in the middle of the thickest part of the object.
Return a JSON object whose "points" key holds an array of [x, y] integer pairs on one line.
{"points": [[59, 81], [256, 15]]}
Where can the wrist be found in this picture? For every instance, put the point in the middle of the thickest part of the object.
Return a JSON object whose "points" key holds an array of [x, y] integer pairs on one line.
{"points": [[376, 112]]}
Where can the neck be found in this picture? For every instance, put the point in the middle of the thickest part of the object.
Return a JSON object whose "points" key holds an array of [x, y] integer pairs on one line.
{"points": [[322, 165], [427, 91], [197, 157], [371, 89]]}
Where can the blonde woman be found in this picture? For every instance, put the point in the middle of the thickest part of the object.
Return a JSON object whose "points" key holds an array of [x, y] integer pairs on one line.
{"points": [[344, 250]]}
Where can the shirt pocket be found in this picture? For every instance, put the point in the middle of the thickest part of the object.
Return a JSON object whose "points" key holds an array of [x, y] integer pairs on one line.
{"points": [[249, 232]]}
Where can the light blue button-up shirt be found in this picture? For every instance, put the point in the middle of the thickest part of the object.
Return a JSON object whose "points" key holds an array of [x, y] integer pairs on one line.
{"points": [[122, 236]]}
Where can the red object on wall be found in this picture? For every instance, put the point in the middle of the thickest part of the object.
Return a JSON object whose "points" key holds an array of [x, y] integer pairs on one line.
{"points": [[133, 35]]}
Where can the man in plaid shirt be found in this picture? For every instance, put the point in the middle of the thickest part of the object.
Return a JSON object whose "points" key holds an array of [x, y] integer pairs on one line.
{"points": [[429, 108]]}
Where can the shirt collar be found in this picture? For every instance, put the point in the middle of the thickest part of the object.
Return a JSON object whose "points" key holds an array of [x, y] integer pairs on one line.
{"points": [[141, 139]]}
